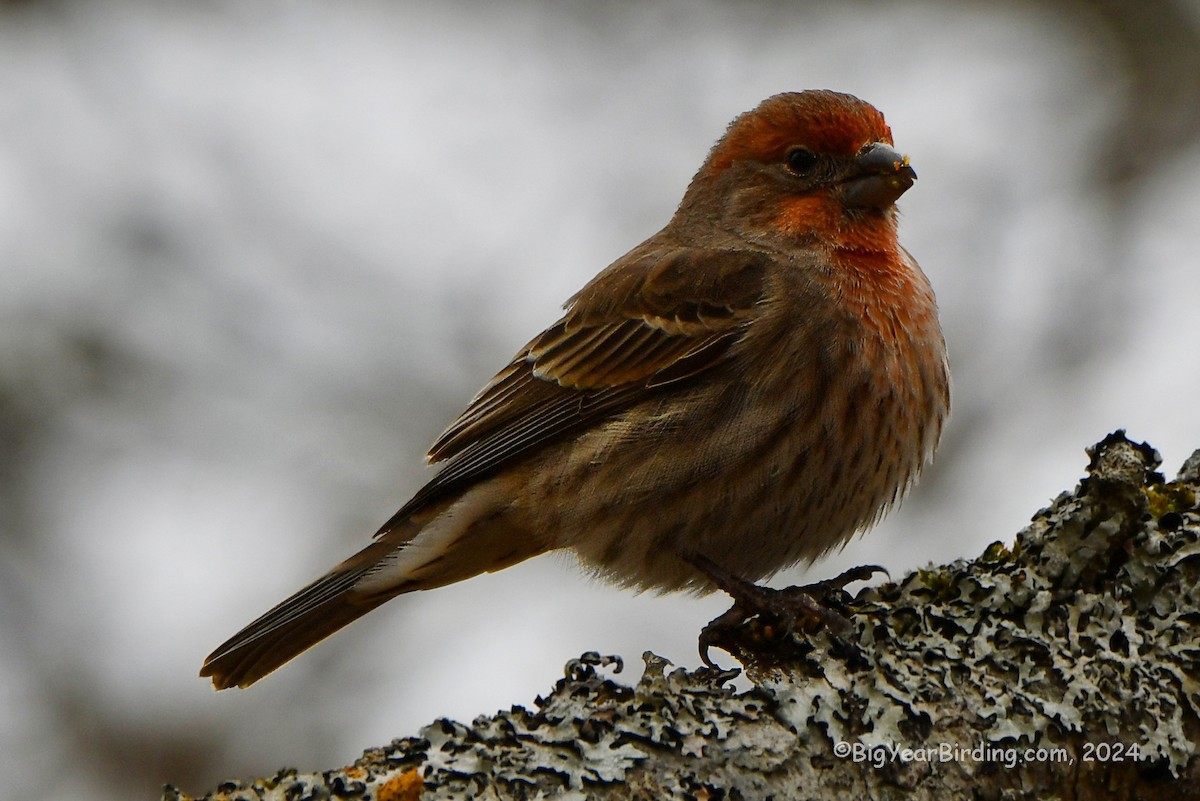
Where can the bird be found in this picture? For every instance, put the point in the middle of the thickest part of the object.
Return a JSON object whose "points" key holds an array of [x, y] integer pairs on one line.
{"points": [[742, 392]]}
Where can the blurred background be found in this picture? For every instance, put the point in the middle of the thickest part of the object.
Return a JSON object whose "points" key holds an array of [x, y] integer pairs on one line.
{"points": [[253, 258]]}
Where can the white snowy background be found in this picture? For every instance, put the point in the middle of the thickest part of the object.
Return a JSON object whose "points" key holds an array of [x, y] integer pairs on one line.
{"points": [[254, 256]]}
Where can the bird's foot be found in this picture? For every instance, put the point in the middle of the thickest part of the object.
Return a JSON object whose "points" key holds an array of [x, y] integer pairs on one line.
{"points": [[780, 611]]}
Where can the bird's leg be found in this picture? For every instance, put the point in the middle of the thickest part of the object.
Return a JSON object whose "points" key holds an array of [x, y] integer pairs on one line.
{"points": [[787, 606]]}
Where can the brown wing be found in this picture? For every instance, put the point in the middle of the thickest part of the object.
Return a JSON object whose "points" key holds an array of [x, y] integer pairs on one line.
{"points": [[645, 324]]}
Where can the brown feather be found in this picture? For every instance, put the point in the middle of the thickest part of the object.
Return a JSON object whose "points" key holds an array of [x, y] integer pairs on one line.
{"points": [[243, 661], [296, 624], [676, 320]]}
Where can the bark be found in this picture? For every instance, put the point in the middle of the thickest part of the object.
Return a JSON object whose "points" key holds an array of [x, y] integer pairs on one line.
{"points": [[1066, 665]]}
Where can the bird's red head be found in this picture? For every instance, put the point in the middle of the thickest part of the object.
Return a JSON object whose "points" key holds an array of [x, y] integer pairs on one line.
{"points": [[823, 122], [815, 165]]}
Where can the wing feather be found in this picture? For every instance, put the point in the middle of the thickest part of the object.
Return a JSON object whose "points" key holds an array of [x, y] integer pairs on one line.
{"points": [[654, 319]]}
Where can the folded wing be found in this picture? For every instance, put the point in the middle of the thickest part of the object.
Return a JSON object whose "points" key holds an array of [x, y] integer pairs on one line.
{"points": [[660, 319]]}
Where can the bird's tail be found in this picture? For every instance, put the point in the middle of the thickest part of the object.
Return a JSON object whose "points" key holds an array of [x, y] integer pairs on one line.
{"points": [[298, 623], [411, 554]]}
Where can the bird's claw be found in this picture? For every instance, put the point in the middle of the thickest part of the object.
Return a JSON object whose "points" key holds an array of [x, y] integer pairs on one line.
{"points": [[781, 609], [839, 582]]}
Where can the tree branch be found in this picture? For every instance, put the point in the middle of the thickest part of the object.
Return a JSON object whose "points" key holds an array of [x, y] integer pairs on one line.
{"points": [[1066, 666]]}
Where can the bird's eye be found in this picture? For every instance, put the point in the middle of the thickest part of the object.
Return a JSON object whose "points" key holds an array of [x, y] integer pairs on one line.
{"points": [[801, 160]]}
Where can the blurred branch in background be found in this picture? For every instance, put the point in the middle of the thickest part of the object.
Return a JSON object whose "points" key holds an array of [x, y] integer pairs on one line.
{"points": [[1155, 44], [1155, 47]]}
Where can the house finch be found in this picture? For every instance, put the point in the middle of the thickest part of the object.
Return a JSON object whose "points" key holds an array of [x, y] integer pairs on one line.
{"points": [[741, 392]]}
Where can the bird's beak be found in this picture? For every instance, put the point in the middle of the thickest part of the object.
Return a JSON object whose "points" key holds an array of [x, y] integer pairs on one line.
{"points": [[881, 176]]}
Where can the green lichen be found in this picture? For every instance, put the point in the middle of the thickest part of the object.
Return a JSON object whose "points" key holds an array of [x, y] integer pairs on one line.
{"points": [[1171, 498]]}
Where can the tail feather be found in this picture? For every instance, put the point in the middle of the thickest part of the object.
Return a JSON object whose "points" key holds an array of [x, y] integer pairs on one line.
{"points": [[417, 555], [290, 628]]}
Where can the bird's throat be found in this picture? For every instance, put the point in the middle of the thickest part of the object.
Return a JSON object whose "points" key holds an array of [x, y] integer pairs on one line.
{"points": [[832, 227]]}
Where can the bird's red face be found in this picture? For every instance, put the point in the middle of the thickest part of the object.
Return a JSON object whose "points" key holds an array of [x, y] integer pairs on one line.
{"points": [[813, 164]]}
